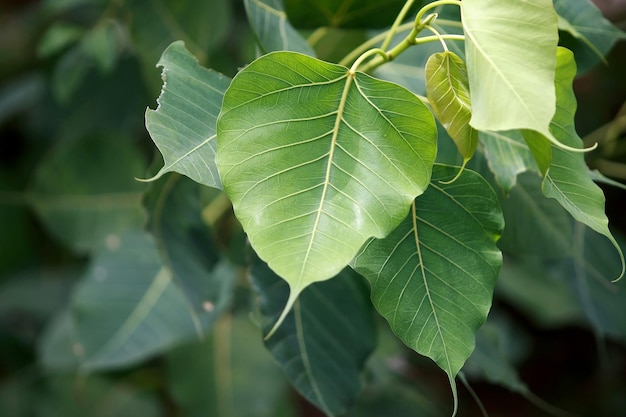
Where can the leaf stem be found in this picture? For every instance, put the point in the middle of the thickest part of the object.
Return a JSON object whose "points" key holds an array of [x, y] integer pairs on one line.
{"points": [[434, 4], [396, 24], [370, 43]]}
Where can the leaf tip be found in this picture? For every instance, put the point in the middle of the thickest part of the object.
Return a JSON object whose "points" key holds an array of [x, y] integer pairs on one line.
{"points": [[293, 296]]}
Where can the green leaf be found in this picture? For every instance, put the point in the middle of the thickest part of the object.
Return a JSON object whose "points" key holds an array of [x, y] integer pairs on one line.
{"points": [[127, 308], [229, 373], [102, 44], [183, 125], [566, 176], [324, 342], [513, 46], [81, 199], [272, 29], [594, 36], [188, 247], [317, 159], [432, 278], [507, 156], [447, 89], [58, 37]]}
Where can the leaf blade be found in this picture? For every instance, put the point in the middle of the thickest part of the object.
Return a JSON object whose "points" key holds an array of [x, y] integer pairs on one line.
{"points": [[299, 176], [183, 125]]}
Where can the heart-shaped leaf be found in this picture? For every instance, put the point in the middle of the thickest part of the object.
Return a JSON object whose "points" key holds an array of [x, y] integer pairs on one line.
{"points": [[447, 89], [510, 50], [183, 125], [317, 159], [432, 278]]}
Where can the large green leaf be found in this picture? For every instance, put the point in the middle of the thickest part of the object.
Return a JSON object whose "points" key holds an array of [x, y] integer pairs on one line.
{"points": [[447, 89], [432, 278], [594, 36], [510, 48], [183, 125], [324, 342], [273, 30], [566, 176], [317, 159], [127, 308], [84, 190], [507, 156]]}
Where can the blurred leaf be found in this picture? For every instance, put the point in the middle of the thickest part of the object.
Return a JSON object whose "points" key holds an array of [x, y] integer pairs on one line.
{"points": [[432, 278], [324, 341], [593, 35], [535, 225], [347, 161], [529, 284], [202, 25], [273, 30], [69, 73], [447, 90], [497, 47], [59, 348], [84, 190], [127, 308], [228, 374], [346, 14], [20, 94], [183, 125], [187, 246], [102, 44], [58, 36], [566, 177]]}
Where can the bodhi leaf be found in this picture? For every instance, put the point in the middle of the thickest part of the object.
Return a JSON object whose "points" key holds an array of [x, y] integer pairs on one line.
{"points": [[326, 338], [433, 277], [566, 177], [274, 32], [183, 125], [513, 46], [447, 89], [317, 159]]}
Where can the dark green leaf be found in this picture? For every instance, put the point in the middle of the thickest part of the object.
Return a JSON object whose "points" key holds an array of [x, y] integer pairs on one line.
{"points": [[432, 278], [127, 308], [593, 35], [85, 190], [272, 28], [183, 125], [188, 247], [324, 342]]}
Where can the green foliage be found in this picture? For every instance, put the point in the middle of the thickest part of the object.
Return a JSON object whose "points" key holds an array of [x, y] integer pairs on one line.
{"points": [[348, 198]]}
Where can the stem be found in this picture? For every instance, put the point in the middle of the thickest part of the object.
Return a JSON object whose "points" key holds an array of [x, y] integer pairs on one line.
{"points": [[433, 38], [436, 32], [376, 51], [365, 46], [434, 4], [317, 35], [392, 31]]}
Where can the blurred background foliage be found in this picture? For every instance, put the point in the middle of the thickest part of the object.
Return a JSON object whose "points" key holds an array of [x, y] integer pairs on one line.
{"points": [[76, 77]]}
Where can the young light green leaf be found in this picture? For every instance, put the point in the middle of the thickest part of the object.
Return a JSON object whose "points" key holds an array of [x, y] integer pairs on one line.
{"points": [[273, 31], [596, 35], [566, 176], [510, 50], [317, 159], [325, 340], [432, 278], [507, 156], [447, 89], [183, 125]]}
